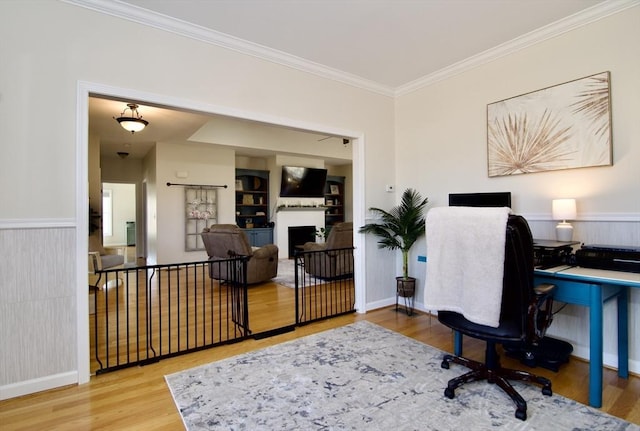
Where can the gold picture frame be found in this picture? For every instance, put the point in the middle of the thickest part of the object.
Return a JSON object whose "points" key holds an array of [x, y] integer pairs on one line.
{"points": [[565, 126]]}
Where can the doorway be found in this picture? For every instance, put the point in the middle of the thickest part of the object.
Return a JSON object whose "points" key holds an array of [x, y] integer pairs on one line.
{"points": [[88, 90], [119, 217]]}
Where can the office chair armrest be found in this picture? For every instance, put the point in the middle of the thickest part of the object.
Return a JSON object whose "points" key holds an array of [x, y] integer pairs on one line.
{"points": [[540, 314], [544, 289]]}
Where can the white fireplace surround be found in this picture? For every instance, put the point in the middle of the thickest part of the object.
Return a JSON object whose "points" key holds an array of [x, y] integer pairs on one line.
{"points": [[295, 216]]}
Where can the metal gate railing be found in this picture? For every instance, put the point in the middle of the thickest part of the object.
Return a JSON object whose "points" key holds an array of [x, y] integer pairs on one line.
{"points": [[324, 284], [145, 313]]}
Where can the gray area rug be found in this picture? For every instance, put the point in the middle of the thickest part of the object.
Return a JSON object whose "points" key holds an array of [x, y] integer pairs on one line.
{"points": [[286, 275], [360, 377]]}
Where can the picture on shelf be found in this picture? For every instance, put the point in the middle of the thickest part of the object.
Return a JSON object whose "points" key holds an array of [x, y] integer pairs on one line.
{"points": [[247, 199], [335, 190], [239, 185]]}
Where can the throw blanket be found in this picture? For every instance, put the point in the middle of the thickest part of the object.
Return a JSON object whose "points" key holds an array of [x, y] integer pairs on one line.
{"points": [[465, 265]]}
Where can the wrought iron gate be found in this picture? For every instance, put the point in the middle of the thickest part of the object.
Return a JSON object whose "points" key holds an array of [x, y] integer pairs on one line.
{"points": [[159, 311]]}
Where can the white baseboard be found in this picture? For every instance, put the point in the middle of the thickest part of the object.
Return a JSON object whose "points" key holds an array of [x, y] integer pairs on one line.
{"points": [[608, 359], [380, 304], [26, 387]]}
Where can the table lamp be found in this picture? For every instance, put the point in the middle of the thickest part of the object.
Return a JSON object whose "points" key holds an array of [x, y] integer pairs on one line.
{"points": [[564, 209]]}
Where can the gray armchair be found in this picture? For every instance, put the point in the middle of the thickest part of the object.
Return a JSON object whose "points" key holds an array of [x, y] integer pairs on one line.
{"points": [[326, 260], [225, 240]]}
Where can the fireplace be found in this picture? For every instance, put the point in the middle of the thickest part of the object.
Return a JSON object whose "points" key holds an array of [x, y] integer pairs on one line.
{"points": [[296, 217], [298, 235]]}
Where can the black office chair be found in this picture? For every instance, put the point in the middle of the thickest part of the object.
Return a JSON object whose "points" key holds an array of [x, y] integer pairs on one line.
{"points": [[525, 314]]}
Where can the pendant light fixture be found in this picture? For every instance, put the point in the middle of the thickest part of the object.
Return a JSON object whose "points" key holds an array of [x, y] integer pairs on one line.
{"points": [[133, 122]]}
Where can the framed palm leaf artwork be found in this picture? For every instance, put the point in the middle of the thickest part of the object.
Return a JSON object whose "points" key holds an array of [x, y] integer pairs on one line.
{"points": [[560, 127]]}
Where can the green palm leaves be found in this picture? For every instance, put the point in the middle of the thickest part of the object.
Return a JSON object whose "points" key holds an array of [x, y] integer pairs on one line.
{"points": [[401, 226]]}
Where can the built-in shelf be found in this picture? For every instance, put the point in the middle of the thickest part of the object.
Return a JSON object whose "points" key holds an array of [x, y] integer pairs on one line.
{"points": [[252, 205], [334, 201]]}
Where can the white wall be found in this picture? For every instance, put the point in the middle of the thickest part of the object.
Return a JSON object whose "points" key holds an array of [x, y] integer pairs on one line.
{"points": [[204, 164], [441, 149], [63, 47]]}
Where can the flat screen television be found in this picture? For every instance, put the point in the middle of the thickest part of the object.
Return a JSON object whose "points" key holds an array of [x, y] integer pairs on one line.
{"points": [[492, 199], [299, 182]]}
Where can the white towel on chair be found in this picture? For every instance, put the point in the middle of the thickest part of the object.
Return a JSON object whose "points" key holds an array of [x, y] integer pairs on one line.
{"points": [[465, 261]]}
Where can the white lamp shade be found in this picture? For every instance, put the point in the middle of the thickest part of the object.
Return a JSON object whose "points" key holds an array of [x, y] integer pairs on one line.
{"points": [[563, 209], [132, 124]]}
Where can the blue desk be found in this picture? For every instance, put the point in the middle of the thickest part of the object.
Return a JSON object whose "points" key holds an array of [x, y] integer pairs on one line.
{"points": [[591, 288]]}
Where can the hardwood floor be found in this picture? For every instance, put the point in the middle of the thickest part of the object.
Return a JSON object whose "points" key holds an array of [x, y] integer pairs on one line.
{"points": [[138, 398]]}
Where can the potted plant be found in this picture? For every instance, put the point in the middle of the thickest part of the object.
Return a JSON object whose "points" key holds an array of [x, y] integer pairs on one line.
{"points": [[400, 228]]}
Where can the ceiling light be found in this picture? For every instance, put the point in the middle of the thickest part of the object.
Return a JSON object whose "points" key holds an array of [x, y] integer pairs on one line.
{"points": [[134, 122]]}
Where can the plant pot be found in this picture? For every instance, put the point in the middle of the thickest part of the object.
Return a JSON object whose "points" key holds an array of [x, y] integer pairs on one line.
{"points": [[405, 287]]}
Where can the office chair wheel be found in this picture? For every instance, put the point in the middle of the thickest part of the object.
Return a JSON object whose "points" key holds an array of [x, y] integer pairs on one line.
{"points": [[521, 414], [444, 364], [449, 393], [546, 390]]}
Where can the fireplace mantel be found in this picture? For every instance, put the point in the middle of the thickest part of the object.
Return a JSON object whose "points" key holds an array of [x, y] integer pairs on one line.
{"points": [[302, 208]]}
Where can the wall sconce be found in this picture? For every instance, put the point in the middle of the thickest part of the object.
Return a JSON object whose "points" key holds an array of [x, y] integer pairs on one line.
{"points": [[134, 122], [564, 209]]}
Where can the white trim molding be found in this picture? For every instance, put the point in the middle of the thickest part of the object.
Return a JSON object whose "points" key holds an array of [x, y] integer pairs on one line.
{"points": [[39, 223], [163, 22], [18, 389], [595, 217], [587, 16]]}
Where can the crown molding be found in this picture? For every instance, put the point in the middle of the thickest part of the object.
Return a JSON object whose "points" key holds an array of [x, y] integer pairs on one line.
{"points": [[163, 22], [193, 31], [552, 30]]}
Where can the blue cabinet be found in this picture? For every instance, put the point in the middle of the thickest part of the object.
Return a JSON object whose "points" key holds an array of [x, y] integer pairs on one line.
{"points": [[259, 236]]}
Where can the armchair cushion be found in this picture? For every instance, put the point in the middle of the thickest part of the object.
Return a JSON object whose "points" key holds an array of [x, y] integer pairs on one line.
{"points": [[103, 258], [223, 241], [337, 260]]}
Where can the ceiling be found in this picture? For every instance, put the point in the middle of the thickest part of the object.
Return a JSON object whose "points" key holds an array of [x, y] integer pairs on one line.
{"points": [[386, 44], [389, 42], [178, 126]]}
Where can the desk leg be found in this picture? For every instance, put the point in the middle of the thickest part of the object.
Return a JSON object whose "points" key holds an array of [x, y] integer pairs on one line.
{"points": [[623, 333], [595, 345]]}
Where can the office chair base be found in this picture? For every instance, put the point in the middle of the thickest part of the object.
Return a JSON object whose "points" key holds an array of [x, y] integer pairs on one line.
{"points": [[550, 353], [497, 375]]}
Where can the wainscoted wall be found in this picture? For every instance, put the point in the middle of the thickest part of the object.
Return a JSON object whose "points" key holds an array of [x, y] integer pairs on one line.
{"points": [[39, 294], [572, 323]]}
